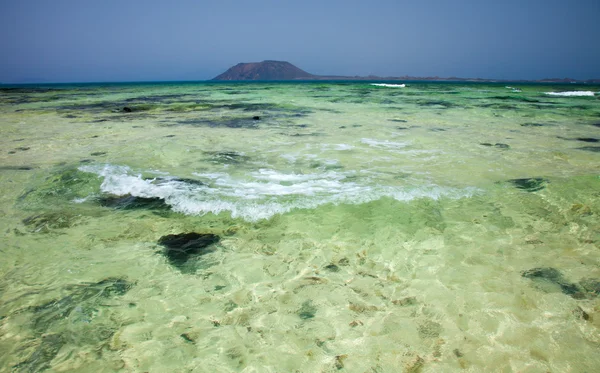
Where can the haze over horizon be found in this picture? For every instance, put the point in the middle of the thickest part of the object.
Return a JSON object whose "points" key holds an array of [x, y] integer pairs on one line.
{"points": [[78, 41]]}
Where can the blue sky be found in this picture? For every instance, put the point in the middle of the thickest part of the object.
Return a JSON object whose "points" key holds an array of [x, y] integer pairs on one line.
{"points": [[134, 40]]}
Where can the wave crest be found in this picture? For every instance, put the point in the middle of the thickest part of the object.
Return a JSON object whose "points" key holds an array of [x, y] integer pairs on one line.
{"points": [[571, 93], [261, 194]]}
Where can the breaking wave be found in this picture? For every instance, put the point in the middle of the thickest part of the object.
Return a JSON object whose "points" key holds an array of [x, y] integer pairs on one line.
{"points": [[260, 194], [571, 93], [389, 85]]}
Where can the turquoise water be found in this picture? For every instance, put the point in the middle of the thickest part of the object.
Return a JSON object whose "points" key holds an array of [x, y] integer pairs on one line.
{"points": [[274, 227]]}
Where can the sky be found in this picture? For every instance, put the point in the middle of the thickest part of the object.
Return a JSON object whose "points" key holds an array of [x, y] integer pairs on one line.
{"points": [[43, 41]]}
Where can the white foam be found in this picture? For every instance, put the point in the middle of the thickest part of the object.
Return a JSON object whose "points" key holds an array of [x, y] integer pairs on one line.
{"points": [[383, 144], [571, 93], [260, 194], [389, 85], [343, 147], [289, 157]]}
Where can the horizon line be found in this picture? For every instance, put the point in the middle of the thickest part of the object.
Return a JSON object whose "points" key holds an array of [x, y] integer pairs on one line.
{"points": [[336, 78]]}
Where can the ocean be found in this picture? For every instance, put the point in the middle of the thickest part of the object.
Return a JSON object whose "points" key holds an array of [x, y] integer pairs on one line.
{"points": [[300, 227]]}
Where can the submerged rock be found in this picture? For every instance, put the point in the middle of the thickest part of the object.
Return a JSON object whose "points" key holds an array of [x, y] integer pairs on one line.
{"points": [[21, 149], [581, 314], [46, 351], [429, 329], [109, 287], [65, 185], [332, 267], [307, 310], [129, 202], [179, 248], [547, 273], [16, 168], [164, 180], [582, 139], [533, 124], [182, 180], [49, 221], [591, 286], [229, 122], [228, 157], [497, 145], [554, 276], [529, 184], [595, 149], [84, 296], [78, 309]]}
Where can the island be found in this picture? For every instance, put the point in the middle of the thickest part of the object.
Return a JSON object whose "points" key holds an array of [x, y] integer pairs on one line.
{"points": [[270, 70]]}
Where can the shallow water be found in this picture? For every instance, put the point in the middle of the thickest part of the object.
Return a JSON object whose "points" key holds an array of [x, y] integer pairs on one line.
{"points": [[353, 227]]}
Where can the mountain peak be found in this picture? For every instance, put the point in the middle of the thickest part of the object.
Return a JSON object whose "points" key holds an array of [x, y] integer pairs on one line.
{"points": [[265, 70]]}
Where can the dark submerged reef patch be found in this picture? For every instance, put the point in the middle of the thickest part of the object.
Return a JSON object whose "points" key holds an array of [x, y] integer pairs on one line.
{"points": [[332, 267], [129, 202], [231, 122], [595, 149], [155, 204], [227, 157], [529, 184], [548, 277], [82, 296], [80, 310], [514, 98], [50, 221], [552, 276], [591, 286], [182, 249], [529, 124], [427, 103], [307, 310], [19, 149], [497, 145], [16, 168], [47, 348], [62, 186], [498, 106]]}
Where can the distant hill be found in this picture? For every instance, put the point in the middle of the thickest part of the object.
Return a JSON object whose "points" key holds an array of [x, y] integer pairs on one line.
{"points": [[282, 70], [266, 70]]}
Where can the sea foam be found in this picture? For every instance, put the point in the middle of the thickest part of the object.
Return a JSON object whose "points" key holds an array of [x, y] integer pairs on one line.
{"points": [[383, 144], [389, 85], [260, 194], [571, 93]]}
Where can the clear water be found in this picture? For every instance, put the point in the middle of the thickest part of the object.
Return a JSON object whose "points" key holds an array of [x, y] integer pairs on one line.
{"points": [[361, 228]]}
